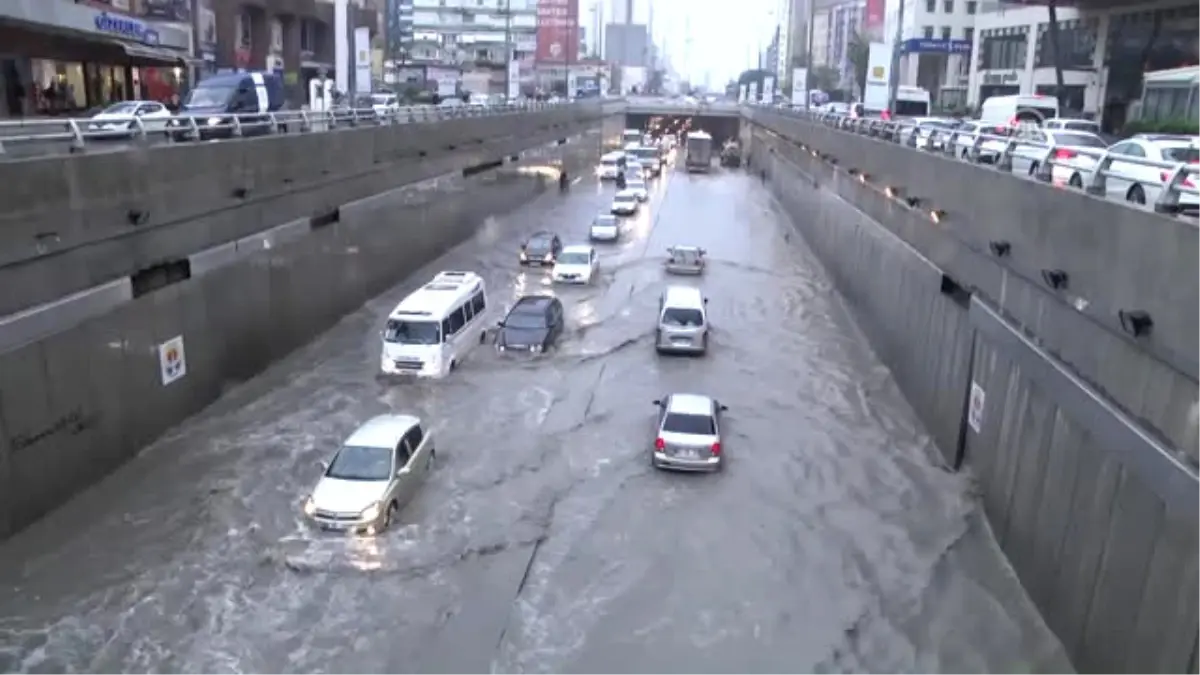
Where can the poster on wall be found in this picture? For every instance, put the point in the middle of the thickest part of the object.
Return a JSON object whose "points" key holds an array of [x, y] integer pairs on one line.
{"points": [[362, 60], [799, 87], [172, 362], [514, 80], [873, 18], [557, 30], [768, 94], [167, 10], [206, 30]]}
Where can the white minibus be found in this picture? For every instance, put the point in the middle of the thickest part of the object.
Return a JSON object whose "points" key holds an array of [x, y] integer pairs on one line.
{"points": [[433, 329]]}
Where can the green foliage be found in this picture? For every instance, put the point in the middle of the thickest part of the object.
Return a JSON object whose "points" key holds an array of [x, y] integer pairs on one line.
{"points": [[1176, 125], [858, 52]]}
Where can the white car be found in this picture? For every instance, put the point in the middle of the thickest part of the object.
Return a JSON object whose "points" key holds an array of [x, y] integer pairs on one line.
{"points": [[625, 203], [605, 227], [638, 187], [378, 469], [1071, 158], [576, 265], [1141, 184], [119, 117], [385, 105]]}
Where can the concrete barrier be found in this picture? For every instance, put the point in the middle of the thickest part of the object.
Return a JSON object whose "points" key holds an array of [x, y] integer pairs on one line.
{"points": [[1097, 514], [77, 404], [74, 222]]}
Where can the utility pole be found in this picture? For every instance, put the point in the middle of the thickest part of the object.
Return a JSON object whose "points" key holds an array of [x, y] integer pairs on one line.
{"points": [[509, 54], [894, 71], [808, 54]]}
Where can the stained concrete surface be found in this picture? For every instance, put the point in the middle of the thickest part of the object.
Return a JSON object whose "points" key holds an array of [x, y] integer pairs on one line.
{"points": [[544, 541]]}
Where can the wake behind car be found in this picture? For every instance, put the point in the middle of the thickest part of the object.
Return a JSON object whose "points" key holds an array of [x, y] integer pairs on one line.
{"points": [[625, 203], [533, 325], [378, 470], [541, 248], [604, 227], [688, 433], [576, 265], [432, 330]]}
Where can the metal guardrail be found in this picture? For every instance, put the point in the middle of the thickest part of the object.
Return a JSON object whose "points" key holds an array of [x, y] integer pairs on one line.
{"points": [[34, 137], [1174, 179]]}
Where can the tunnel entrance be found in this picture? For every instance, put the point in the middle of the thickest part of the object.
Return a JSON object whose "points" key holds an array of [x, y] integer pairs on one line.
{"points": [[720, 128]]}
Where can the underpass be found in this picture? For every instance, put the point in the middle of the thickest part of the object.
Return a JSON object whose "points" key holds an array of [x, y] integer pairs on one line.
{"points": [[544, 542]]}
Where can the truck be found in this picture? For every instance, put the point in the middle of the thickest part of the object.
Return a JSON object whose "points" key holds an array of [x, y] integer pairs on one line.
{"points": [[731, 154], [699, 152]]}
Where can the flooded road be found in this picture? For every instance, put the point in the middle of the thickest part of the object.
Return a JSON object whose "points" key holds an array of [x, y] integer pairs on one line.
{"points": [[544, 541]]}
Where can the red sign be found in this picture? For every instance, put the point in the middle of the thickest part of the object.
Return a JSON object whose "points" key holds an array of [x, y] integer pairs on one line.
{"points": [[557, 31], [873, 18]]}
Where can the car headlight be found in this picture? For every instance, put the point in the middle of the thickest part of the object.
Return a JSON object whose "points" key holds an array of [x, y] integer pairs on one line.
{"points": [[371, 512], [523, 256], [548, 257], [309, 507], [214, 121]]}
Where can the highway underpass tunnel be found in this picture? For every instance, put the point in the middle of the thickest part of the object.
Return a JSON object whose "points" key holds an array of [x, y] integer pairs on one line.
{"points": [[720, 128]]}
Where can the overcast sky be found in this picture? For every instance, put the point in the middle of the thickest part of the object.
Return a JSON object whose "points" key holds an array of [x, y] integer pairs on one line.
{"points": [[726, 34]]}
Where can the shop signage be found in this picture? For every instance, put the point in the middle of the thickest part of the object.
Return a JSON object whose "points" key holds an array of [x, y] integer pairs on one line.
{"points": [[934, 46], [1008, 77], [124, 27]]}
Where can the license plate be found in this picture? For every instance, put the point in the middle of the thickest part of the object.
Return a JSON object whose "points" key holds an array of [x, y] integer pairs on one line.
{"points": [[688, 454], [335, 527], [681, 341]]}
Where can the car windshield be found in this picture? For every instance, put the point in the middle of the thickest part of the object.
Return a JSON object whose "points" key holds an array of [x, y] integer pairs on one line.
{"points": [[574, 258], [696, 425], [635, 184], [608, 162], [679, 316], [529, 318], [538, 243], [604, 221], [624, 198], [1181, 153], [120, 109], [206, 97], [412, 332], [1079, 140], [356, 462], [1081, 126]]}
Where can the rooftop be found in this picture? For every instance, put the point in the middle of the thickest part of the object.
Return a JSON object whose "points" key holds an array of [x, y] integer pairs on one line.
{"points": [[690, 404], [383, 431]]}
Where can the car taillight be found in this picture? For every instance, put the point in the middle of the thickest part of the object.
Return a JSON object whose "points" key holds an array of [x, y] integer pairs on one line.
{"points": [[1064, 154], [659, 444], [716, 449], [1164, 177]]}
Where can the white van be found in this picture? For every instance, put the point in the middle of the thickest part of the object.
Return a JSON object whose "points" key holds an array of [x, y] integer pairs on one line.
{"points": [[682, 321], [911, 102], [432, 330], [1017, 109], [611, 165], [631, 136]]}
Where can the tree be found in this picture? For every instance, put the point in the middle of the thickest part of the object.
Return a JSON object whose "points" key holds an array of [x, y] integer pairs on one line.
{"points": [[858, 52], [824, 78]]}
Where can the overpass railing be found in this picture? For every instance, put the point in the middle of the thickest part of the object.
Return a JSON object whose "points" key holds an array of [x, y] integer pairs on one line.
{"points": [[1087, 168], [33, 137]]}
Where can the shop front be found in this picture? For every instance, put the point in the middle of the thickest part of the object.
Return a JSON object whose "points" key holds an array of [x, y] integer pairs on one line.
{"points": [[67, 59]]}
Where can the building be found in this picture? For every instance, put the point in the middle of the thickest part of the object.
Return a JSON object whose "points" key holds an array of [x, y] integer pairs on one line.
{"points": [[464, 32], [1103, 53], [935, 44], [835, 23], [792, 22]]}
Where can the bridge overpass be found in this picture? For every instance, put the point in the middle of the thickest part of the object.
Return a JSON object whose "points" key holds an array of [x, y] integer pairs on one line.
{"points": [[1045, 340]]}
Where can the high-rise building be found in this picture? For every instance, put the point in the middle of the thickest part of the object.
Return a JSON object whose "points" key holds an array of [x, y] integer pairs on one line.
{"points": [[835, 24]]}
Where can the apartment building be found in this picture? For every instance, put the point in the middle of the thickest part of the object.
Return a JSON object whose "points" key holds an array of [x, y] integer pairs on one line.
{"points": [[835, 23], [456, 32], [935, 45]]}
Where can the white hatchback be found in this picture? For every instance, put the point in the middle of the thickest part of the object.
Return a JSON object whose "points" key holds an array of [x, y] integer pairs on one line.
{"points": [[625, 203], [576, 265]]}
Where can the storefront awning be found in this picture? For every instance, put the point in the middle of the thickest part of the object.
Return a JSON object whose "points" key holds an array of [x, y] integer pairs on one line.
{"points": [[161, 55]]}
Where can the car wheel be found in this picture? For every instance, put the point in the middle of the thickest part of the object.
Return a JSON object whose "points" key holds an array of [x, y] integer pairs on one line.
{"points": [[1136, 195], [389, 516], [1076, 181]]}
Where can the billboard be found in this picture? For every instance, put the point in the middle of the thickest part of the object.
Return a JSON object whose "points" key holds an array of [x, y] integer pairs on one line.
{"points": [[873, 18], [557, 31]]}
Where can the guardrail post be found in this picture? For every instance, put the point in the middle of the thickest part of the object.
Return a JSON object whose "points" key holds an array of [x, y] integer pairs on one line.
{"points": [[1044, 170], [1097, 185], [77, 143], [1168, 196]]}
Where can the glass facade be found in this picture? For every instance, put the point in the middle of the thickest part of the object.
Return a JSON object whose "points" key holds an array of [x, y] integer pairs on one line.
{"points": [[1141, 42], [1076, 44], [1003, 48]]}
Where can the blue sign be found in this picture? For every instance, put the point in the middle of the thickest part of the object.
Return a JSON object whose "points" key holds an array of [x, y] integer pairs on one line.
{"points": [[124, 27], [932, 46]]}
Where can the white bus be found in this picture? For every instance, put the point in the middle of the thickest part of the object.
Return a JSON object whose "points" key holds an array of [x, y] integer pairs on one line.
{"points": [[1170, 95], [911, 102], [611, 165], [433, 329]]}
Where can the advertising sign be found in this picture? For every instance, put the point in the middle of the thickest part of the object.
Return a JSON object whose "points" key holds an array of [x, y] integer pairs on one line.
{"points": [[800, 87], [362, 60], [514, 80], [167, 10], [557, 31], [934, 46], [172, 364], [873, 18], [768, 94], [206, 30]]}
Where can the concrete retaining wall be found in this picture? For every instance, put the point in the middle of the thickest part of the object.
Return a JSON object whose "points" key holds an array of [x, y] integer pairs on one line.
{"points": [[1098, 517], [75, 405], [73, 222]]}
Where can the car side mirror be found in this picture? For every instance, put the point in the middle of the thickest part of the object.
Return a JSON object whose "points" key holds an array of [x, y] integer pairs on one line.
{"points": [[706, 301], [724, 407], [401, 471], [324, 465], [500, 324], [658, 402]]}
